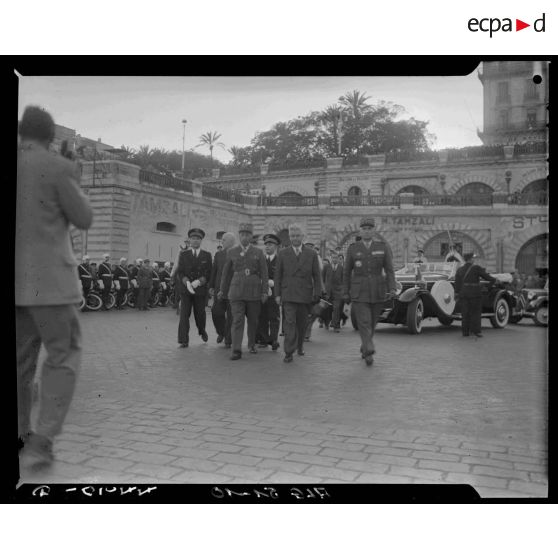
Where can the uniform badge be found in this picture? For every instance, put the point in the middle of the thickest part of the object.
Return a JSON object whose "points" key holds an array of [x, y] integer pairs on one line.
{"points": [[246, 272], [377, 252], [359, 254], [358, 263]]}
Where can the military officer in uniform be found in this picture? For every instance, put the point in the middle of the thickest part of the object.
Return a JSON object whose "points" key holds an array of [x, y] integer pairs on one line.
{"points": [[221, 312], [268, 324], [122, 280], [193, 272], [85, 276], [244, 283], [105, 275], [368, 267], [298, 284], [469, 291]]}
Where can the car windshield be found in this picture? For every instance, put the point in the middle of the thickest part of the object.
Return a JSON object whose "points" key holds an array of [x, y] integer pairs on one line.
{"points": [[445, 268]]}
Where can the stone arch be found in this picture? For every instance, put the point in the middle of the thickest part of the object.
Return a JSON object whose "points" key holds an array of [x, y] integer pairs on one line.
{"points": [[354, 191], [536, 186], [469, 245], [413, 189], [539, 173], [475, 189], [290, 194], [487, 179], [533, 255], [291, 188], [518, 240], [479, 237]]}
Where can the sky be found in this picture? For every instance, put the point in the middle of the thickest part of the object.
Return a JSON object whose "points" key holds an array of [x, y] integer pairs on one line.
{"points": [[136, 111]]}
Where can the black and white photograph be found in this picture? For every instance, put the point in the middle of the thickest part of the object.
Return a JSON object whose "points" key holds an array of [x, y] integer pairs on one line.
{"points": [[345, 277]]}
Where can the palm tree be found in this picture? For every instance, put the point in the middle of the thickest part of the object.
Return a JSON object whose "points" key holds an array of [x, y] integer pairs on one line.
{"points": [[355, 101], [211, 140], [144, 156], [333, 116]]}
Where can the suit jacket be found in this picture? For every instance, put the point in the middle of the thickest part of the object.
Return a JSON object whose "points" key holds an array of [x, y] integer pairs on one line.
{"points": [[334, 282], [298, 279], [191, 268], [366, 272], [219, 261], [467, 280], [244, 275], [271, 268], [48, 201]]}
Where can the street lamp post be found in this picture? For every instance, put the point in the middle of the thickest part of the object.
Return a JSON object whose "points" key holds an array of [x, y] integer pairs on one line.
{"points": [[184, 121]]}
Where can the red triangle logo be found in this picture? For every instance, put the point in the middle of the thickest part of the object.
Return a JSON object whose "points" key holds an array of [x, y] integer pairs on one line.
{"points": [[519, 25]]}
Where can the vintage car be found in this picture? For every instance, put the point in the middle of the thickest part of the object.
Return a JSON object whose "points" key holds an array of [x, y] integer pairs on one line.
{"points": [[531, 303], [427, 291]]}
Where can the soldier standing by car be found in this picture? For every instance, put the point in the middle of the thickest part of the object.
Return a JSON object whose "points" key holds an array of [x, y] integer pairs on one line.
{"points": [[244, 283], [105, 276], [221, 312], [469, 291], [123, 282], [268, 324], [364, 283], [298, 285], [85, 276], [193, 272]]}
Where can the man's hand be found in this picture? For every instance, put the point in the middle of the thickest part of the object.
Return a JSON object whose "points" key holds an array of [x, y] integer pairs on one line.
{"points": [[278, 300], [195, 284], [264, 298], [211, 292], [346, 298], [185, 281], [391, 293], [315, 300], [270, 283], [220, 295]]}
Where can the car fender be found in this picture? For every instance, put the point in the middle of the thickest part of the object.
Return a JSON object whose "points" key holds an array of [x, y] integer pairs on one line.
{"points": [[409, 295], [541, 301]]}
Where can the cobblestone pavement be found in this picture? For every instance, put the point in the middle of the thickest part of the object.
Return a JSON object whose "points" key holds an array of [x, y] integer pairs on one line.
{"points": [[434, 408]]}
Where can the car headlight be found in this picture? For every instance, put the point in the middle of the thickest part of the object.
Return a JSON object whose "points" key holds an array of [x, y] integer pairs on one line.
{"points": [[398, 288], [531, 295]]}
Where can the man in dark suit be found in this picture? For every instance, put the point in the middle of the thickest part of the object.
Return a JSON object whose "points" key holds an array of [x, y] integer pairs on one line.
{"points": [[193, 272], [244, 283], [364, 283], [268, 324], [122, 278], [105, 276], [144, 278], [47, 289], [221, 312], [469, 291], [334, 290], [299, 284]]}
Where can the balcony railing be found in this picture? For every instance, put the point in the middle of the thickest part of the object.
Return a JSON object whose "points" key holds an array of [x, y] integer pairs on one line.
{"points": [[538, 147], [393, 201], [530, 198], [290, 201], [165, 181], [453, 200], [225, 171], [302, 164], [411, 155], [476, 152], [224, 195]]}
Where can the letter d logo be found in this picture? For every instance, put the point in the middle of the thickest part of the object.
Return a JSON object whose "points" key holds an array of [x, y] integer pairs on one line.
{"points": [[536, 24]]}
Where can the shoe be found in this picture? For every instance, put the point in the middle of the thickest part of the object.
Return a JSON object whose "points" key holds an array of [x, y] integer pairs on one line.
{"points": [[262, 346], [220, 339], [36, 452], [465, 334], [300, 352], [369, 359], [288, 358], [326, 327], [274, 346], [204, 337], [228, 345], [307, 339], [478, 334], [336, 330], [148, 309], [253, 350], [281, 335], [236, 356], [321, 325], [183, 345]]}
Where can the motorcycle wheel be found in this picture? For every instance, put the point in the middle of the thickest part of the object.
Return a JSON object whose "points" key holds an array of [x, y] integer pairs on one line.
{"points": [[93, 302]]}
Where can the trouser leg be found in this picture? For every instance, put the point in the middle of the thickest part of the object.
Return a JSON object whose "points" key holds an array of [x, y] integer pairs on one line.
{"points": [[184, 322], [363, 315], [302, 319], [228, 324], [289, 324], [218, 315], [28, 345], [337, 307], [237, 330], [273, 319], [475, 314], [309, 322], [465, 316], [262, 331], [60, 333], [253, 308], [199, 312], [106, 292]]}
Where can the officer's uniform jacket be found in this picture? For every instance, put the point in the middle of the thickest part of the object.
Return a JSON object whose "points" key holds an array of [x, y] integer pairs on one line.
{"points": [[121, 275], [334, 282], [298, 279], [467, 280], [48, 200], [244, 275], [219, 261], [104, 272], [156, 278], [144, 278], [368, 273], [191, 268], [85, 275]]}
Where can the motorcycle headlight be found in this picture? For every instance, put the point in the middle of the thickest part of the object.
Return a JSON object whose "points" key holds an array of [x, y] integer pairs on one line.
{"points": [[398, 288]]}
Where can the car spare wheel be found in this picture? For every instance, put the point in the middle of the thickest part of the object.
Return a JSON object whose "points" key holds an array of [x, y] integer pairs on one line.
{"points": [[415, 315], [444, 295]]}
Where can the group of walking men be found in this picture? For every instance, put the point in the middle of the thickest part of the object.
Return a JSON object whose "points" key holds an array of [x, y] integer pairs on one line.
{"points": [[259, 287]]}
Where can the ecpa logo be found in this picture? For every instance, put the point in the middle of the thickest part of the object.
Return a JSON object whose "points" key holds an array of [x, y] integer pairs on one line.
{"points": [[494, 24]]}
